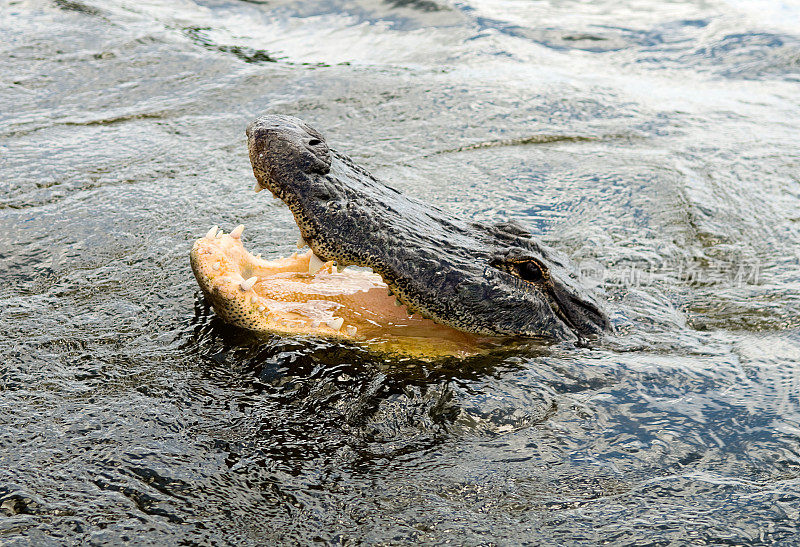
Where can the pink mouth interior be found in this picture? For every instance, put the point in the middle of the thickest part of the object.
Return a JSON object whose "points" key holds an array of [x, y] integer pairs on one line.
{"points": [[283, 296]]}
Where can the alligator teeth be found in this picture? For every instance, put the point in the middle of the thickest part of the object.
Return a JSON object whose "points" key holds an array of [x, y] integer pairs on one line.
{"points": [[215, 266], [301, 242], [335, 324], [314, 264], [351, 330], [237, 232], [247, 284], [262, 308], [258, 188], [258, 256], [212, 233]]}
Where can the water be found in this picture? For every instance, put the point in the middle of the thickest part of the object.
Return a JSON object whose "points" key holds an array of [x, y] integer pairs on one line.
{"points": [[654, 142]]}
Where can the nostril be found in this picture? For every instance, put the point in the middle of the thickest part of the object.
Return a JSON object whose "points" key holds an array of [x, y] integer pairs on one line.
{"points": [[314, 142]]}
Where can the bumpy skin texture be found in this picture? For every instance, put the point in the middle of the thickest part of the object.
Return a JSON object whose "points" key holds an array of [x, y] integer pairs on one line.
{"points": [[485, 279]]}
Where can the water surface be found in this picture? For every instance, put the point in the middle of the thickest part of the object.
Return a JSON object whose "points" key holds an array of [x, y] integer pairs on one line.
{"points": [[654, 142]]}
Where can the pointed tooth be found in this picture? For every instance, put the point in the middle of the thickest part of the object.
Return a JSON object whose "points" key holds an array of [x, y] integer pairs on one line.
{"points": [[351, 330], [212, 233], [215, 266], [262, 308], [336, 323], [258, 187], [247, 284], [258, 256], [220, 234], [237, 232], [314, 264], [301, 242]]}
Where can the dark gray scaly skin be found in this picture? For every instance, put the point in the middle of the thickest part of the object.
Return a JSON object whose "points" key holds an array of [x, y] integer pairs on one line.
{"points": [[485, 279]]}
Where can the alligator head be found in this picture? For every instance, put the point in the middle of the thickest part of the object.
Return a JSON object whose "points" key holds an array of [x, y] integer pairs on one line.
{"points": [[483, 279]]}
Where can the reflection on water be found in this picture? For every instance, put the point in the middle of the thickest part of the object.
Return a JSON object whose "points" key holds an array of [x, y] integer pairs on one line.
{"points": [[655, 143]]}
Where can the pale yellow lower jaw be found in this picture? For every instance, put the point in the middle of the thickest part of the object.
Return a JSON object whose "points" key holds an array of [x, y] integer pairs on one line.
{"points": [[281, 296]]}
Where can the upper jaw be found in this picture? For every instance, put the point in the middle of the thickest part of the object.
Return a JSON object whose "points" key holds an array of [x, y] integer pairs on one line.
{"points": [[309, 194]]}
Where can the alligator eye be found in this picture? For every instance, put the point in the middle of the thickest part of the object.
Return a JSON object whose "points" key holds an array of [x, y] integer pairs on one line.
{"points": [[530, 271], [314, 142]]}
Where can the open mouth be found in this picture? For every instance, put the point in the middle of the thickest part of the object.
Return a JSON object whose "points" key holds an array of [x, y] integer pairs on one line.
{"points": [[301, 295], [474, 280]]}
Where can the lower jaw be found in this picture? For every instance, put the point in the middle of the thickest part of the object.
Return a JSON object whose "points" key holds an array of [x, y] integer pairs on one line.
{"points": [[298, 295]]}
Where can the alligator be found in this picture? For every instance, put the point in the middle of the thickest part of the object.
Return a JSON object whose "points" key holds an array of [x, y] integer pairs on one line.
{"points": [[424, 273]]}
